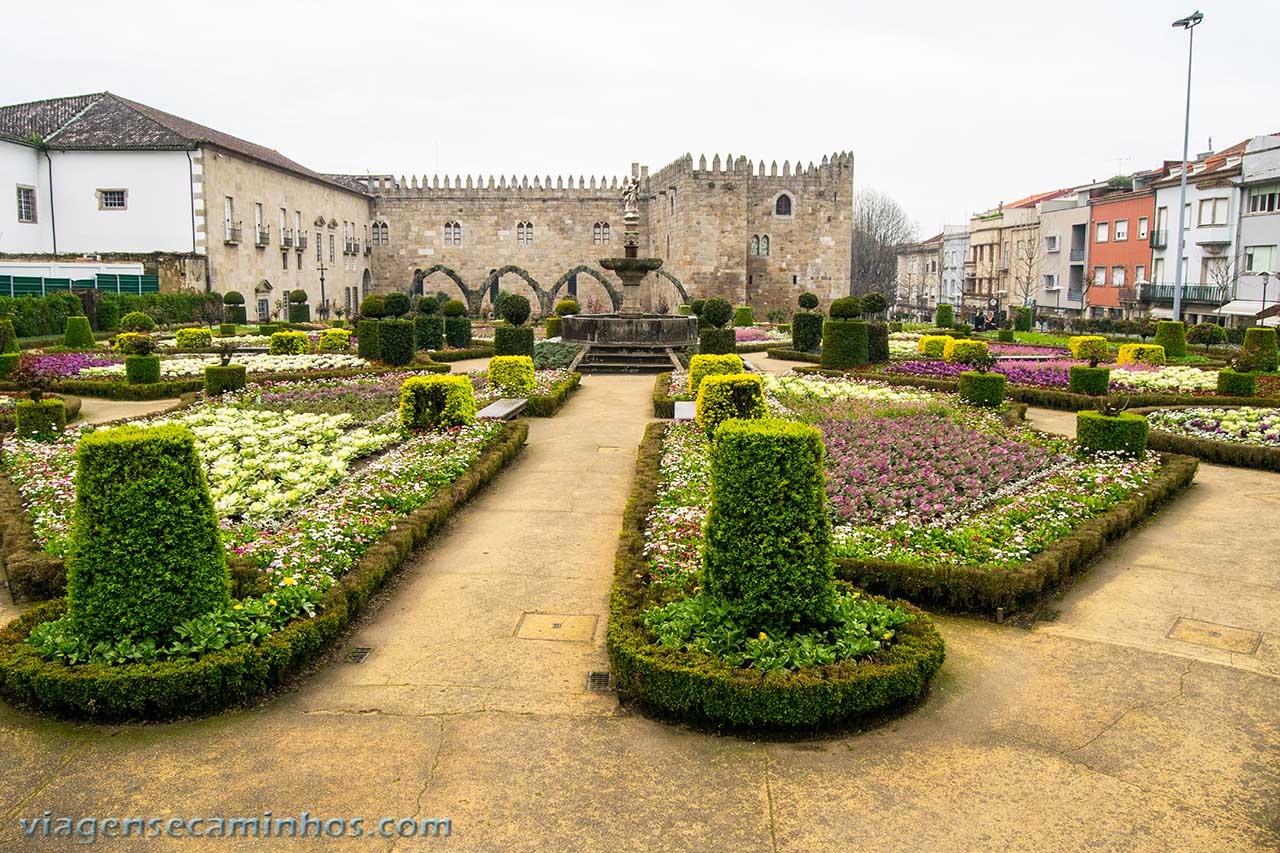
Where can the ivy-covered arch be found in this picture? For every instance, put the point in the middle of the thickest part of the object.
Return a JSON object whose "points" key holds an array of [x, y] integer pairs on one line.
{"points": [[614, 296], [684, 294], [471, 297], [544, 298]]}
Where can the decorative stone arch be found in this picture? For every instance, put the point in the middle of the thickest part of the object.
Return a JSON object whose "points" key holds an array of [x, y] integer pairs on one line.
{"points": [[472, 298], [544, 298], [790, 204], [614, 296], [684, 294]]}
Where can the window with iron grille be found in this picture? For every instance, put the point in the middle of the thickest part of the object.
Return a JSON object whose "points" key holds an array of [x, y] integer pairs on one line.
{"points": [[26, 204], [112, 199]]}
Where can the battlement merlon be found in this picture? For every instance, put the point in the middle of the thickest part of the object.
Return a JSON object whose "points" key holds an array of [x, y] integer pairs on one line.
{"points": [[832, 166]]}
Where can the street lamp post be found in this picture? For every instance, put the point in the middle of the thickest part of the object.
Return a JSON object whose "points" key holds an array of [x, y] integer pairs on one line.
{"points": [[1188, 23], [1265, 277]]}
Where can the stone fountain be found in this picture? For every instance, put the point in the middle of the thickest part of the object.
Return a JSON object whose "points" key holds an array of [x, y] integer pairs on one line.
{"points": [[630, 340]]}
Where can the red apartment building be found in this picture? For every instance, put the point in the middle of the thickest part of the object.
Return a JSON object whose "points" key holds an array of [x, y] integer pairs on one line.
{"points": [[1119, 251]]}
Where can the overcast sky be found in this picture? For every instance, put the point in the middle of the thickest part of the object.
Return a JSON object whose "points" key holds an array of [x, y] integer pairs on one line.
{"points": [[950, 107]]}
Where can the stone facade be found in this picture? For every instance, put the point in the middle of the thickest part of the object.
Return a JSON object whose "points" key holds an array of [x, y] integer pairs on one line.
{"points": [[722, 229]]}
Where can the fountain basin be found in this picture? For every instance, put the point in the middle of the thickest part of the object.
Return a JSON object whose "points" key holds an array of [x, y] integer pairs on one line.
{"points": [[630, 330]]}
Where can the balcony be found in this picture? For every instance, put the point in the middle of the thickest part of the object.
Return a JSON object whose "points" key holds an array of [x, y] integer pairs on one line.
{"points": [[262, 237], [1159, 239], [234, 233], [286, 238], [350, 247], [302, 241], [1077, 256], [368, 250], [1209, 294]]}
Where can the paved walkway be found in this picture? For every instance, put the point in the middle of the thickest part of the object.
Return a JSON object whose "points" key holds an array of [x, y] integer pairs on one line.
{"points": [[1089, 732], [95, 411]]}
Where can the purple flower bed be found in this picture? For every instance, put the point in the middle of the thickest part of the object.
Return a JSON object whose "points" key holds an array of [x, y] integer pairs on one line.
{"points": [[1042, 374], [925, 467], [750, 334], [71, 363], [1024, 349]]}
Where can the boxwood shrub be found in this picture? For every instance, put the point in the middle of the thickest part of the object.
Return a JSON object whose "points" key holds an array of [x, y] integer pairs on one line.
{"points": [[367, 344], [703, 365], [944, 316], [982, 389], [742, 316], [1093, 381], [227, 330], [428, 332], [137, 321], [107, 313], [1125, 433], [1172, 335], [1022, 318], [806, 331], [1088, 347], [932, 346], [717, 341], [269, 329], [334, 340], [193, 338], [1004, 336], [732, 395], [142, 369], [963, 350], [8, 337], [8, 361], [1259, 351], [223, 377], [432, 402], [395, 341], [1233, 383], [78, 334], [512, 374], [1141, 354], [43, 418], [844, 343], [289, 343], [513, 340], [553, 327], [877, 343], [457, 331]]}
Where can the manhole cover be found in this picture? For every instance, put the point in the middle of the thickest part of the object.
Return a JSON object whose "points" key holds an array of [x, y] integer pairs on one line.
{"points": [[1239, 640], [599, 681], [567, 627], [359, 654]]}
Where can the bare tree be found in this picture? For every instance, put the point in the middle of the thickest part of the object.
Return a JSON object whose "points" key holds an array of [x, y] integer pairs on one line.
{"points": [[880, 226], [1028, 255]]}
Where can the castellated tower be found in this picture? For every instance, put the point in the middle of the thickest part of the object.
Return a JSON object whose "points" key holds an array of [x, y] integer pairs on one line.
{"points": [[748, 232]]}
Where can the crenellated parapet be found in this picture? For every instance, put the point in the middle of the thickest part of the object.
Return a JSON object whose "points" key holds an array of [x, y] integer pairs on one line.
{"points": [[837, 166], [478, 186]]}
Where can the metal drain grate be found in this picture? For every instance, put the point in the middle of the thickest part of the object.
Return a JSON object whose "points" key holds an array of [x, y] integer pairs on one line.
{"points": [[359, 654], [600, 682]]}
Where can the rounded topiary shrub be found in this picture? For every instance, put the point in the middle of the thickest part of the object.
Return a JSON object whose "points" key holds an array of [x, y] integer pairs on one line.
{"points": [[874, 304], [134, 343], [453, 308], [428, 306], [142, 369], [716, 312], [232, 297], [1140, 354], [703, 365], [767, 551], [437, 402], [1005, 336], [1172, 335], [844, 343], [145, 554], [730, 395], [136, 321], [193, 338], [334, 340], [428, 332], [395, 341], [1232, 383], [43, 418], [877, 343], [944, 317], [1022, 318], [1088, 347], [743, 316], [982, 389], [373, 306], [845, 308], [1259, 350], [8, 337], [1206, 334], [457, 331], [77, 334], [569, 307], [367, 345], [964, 351], [696, 307], [717, 341], [223, 377], [1093, 381], [289, 343], [807, 301], [397, 304], [932, 346], [806, 331], [512, 374], [1124, 433], [513, 340], [516, 309]]}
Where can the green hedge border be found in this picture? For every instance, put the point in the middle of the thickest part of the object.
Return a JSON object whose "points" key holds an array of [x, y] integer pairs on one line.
{"points": [[237, 675], [750, 347], [680, 685], [1217, 452], [72, 402], [447, 355], [664, 405], [794, 355], [546, 405], [979, 590]]}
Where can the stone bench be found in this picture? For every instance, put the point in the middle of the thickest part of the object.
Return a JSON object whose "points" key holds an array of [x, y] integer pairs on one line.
{"points": [[504, 409]]}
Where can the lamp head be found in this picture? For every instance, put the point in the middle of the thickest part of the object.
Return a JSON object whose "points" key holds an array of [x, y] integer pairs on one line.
{"points": [[1190, 20]]}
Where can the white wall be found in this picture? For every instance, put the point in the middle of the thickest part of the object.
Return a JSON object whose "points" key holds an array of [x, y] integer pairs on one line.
{"points": [[158, 215], [22, 165]]}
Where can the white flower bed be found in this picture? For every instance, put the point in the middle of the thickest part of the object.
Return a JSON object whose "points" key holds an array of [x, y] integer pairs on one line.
{"points": [[236, 340], [194, 365], [837, 388], [1172, 379]]}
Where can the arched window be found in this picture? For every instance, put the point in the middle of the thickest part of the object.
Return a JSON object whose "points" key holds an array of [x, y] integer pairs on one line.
{"points": [[755, 244], [600, 233], [379, 233], [764, 246], [782, 207], [524, 233], [453, 233]]}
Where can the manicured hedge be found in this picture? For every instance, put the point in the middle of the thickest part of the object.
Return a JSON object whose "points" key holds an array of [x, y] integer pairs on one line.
{"points": [[428, 332], [457, 331], [748, 347], [963, 350], [742, 316], [717, 341], [512, 374], [981, 389], [1125, 433], [877, 343], [142, 369], [513, 340], [1233, 383], [1004, 336], [78, 334], [1093, 381], [983, 589], [553, 327], [193, 338], [1259, 351], [223, 377], [664, 405], [334, 340], [71, 405], [446, 355], [395, 341], [1217, 452], [806, 331], [433, 402], [1088, 346], [546, 405], [1022, 318], [239, 674], [8, 361], [844, 344], [42, 418], [367, 340], [685, 685], [289, 343], [794, 355], [732, 395], [702, 365], [933, 346], [227, 330], [1172, 335], [1141, 354], [944, 316], [116, 389]]}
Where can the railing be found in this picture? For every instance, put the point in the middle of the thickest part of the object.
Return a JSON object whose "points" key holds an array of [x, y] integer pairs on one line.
{"points": [[1159, 239], [302, 240], [234, 232], [30, 285], [263, 236], [286, 238], [1205, 293], [351, 247], [1077, 254]]}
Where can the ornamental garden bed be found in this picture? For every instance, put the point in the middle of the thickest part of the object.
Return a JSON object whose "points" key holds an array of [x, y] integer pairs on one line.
{"points": [[8, 403], [314, 511], [893, 670], [932, 500], [1243, 436]]}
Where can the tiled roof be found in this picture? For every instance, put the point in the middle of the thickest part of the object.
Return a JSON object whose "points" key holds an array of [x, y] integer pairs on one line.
{"points": [[104, 121]]}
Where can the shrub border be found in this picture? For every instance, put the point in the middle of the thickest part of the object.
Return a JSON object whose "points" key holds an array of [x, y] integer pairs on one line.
{"points": [[794, 355], [979, 590], [447, 355], [233, 676], [664, 405], [8, 420], [1217, 452], [546, 405], [681, 685]]}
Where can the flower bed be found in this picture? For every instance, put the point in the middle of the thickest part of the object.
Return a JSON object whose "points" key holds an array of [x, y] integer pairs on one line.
{"points": [[551, 389], [1042, 374], [193, 366], [756, 334], [1247, 437]]}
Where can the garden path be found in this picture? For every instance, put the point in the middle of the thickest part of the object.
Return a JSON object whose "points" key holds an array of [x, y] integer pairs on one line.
{"points": [[95, 411], [1035, 739]]}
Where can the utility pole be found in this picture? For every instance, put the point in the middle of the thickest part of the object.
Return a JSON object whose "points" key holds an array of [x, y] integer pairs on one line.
{"points": [[1188, 23]]}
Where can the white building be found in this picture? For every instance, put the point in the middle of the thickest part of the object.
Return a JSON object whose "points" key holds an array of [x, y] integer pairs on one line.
{"points": [[1258, 232], [955, 249]]}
